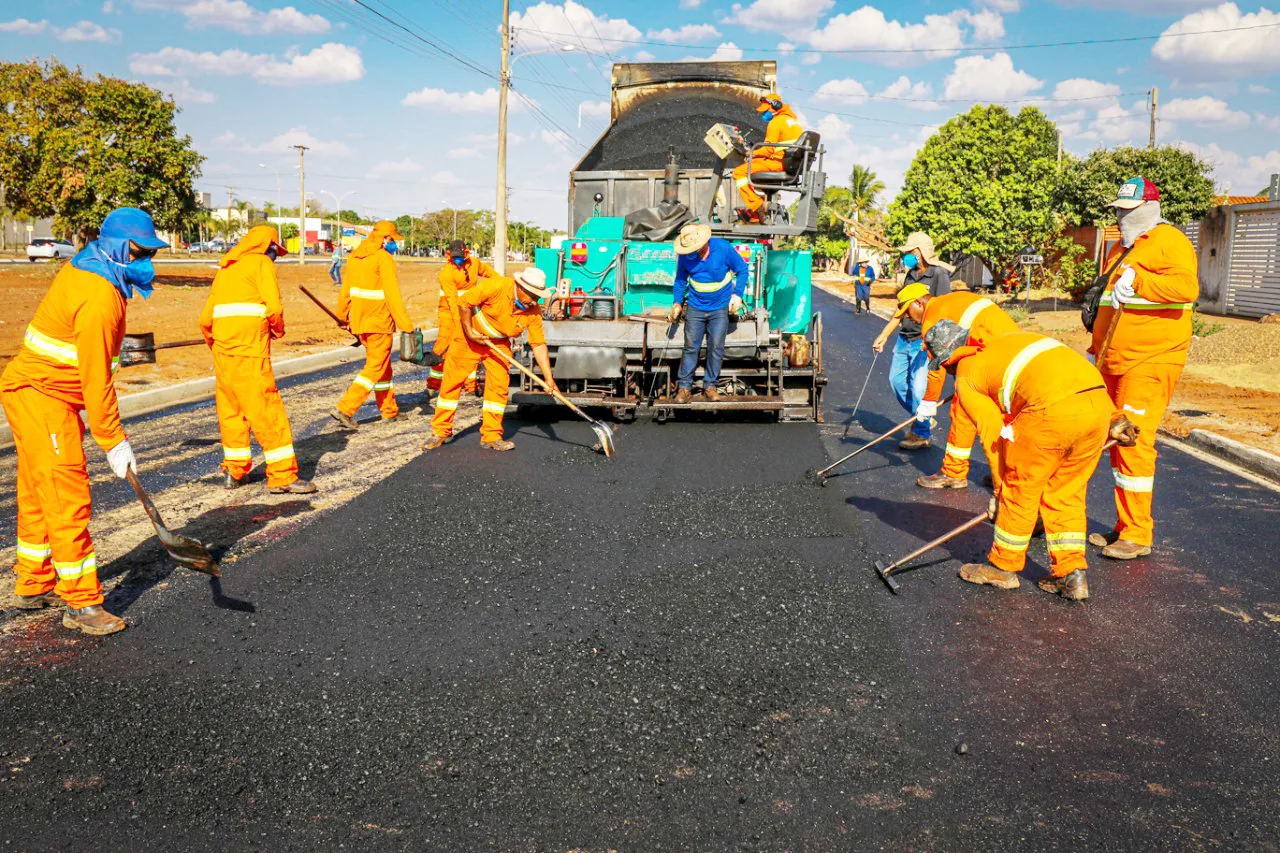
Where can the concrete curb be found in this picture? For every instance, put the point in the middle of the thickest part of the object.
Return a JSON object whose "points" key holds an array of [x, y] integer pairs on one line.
{"points": [[1260, 462], [148, 402]]}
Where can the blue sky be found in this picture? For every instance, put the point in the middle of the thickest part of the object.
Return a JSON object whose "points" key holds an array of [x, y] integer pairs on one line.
{"points": [[403, 127]]}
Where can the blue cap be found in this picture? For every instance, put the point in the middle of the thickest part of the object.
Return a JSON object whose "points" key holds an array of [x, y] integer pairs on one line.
{"points": [[131, 223]]}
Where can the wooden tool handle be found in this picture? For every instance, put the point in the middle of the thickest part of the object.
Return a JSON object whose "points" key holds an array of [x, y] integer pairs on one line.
{"points": [[193, 342], [323, 307], [1111, 333]]}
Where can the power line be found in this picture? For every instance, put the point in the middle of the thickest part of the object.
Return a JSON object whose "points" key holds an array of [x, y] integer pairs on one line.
{"points": [[984, 100]]}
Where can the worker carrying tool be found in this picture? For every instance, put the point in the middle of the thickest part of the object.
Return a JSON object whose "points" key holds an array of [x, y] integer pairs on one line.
{"points": [[1043, 415], [711, 277], [369, 304], [70, 353], [782, 129], [490, 314], [241, 317], [1154, 282], [459, 274], [985, 321]]}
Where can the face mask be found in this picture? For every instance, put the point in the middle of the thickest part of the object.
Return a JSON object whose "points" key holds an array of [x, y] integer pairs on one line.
{"points": [[272, 254], [139, 275], [520, 304], [910, 261], [459, 260], [767, 116], [391, 247]]}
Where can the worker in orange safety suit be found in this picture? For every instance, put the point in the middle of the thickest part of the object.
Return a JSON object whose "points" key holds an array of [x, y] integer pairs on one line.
{"points": [[985, 321], [460, 273], [1155, 286], [490, 314], [241, 317], [69, 355], [1043, 414], [782, 129], [369, 304]]}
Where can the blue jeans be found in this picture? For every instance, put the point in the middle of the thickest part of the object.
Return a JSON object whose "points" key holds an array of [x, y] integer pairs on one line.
{"points": [[909, 377], [862, 293], [335, 273], [715, 326]]}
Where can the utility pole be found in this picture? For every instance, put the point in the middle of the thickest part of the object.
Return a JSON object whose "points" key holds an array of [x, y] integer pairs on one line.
{"points": [[1152, 142], [302, 203], [500, 203]]}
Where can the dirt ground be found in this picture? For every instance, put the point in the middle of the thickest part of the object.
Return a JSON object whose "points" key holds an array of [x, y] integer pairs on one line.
{"points": [[1231, 384]]}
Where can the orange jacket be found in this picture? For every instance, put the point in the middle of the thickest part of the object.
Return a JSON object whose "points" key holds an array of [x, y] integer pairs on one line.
{"points": [[985, 321], [243, 313], [783, 129], [72, 349], [454, 280], [494, 312], [370, 297], [1156, 330]]}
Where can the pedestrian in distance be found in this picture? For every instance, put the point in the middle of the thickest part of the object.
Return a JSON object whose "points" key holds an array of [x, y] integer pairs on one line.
{"points": [[241, 317], [69, 356], [862, 274], [908, 368], [336, 261], [710, 283]]}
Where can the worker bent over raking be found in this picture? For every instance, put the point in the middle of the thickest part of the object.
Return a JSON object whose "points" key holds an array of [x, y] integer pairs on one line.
{"points": [[1043, 415], [782, 128], [241, 317], [490, 314], [985, 321], [711, 279], [69, 355], [458, 275], [1156, 286], [369, 302]]}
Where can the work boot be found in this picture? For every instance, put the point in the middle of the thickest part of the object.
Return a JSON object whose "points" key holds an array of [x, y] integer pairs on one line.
{"points": [[229, 482], [36, 602], [346, 420], [1123, 549], [711, 394], [297, 487], [915, 442], [92, 620], [988, 480], [1073, 587], [941, 481], [1102, 540], [391, 418], [988, 575], [500, 445], [684, 395], [433, 441]]}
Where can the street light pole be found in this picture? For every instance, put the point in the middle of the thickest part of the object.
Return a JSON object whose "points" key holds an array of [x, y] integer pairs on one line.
{"points": [[302, 204], [279, 213], [337, 202]]}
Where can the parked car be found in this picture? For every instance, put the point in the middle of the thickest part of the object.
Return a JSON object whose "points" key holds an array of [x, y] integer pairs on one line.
{"points": [[43, 248]]}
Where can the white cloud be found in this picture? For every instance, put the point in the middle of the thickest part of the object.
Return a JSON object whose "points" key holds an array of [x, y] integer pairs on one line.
{"points": [[86, 31], [238, 16], [687, 33], [329, 63], [595, 108], [184, 93], [847, 91], [1225, 53], [1204, 111], [726, 52], [811, 59], [1117, 124], [690, 4], [108, 7], [644, 56], [1271, 123], [868, 27], [792, 18], [463, 154], [987, 25], [594, 32], [1003, 5], [993, 78], [23, 27], [460, 102], [445, 178], [1257, 89], [283, 143], [917, 96], [846, 146], [395, 168], [786, 48], [1080, 88], [1236, 173]]}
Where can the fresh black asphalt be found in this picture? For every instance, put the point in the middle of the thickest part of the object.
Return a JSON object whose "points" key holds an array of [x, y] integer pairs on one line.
{"points": [[685, 648]]}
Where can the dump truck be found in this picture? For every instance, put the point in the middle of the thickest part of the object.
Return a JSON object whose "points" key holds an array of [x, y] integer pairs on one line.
{"points": [[675, 129]]}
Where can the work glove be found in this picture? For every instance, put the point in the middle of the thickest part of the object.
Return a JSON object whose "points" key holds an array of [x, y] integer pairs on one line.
{"points": [[1006, 432], [927, 409], [992, 506], [1123, 292], [122, 460], [674, 312], [735, 304], [1123, 431]]}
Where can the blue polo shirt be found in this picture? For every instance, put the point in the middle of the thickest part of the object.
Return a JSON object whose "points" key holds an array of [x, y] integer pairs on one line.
{"points": [[710, 282]]}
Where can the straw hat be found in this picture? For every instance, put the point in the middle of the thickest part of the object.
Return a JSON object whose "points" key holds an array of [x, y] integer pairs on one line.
{"points": [[692, 238], [924, 243], [534, 281]]}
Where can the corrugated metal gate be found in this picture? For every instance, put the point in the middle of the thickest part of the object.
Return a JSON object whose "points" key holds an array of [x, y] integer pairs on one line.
{"points": [[1192, 230], [1253, 281]]}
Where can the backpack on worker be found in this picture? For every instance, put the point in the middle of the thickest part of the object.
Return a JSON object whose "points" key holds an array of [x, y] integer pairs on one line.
{"points": [[1093, 296]]}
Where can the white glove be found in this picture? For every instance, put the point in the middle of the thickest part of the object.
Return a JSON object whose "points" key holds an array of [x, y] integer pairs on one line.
{"points": [[927, 409], [1122, 292], [122, 460], [1006, 432], [735, 304]]}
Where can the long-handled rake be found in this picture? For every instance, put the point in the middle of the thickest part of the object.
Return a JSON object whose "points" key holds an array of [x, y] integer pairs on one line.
{"points": [[820, 477], [858, 404]]}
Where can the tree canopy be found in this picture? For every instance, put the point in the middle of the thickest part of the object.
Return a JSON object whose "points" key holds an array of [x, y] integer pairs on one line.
{"points": [[1088, 185], [74, 148]]}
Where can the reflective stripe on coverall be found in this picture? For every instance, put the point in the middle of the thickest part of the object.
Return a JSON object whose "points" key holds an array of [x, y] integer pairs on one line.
{"points": [[783, 130], [453, 281], [370, 301]]}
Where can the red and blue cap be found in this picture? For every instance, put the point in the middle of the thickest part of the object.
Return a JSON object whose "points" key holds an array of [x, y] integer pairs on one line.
{"points": [[1134, 193]]}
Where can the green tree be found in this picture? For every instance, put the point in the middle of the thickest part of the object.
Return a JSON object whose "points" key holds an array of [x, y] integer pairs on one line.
{"points": [[74, 148], [1088, 185], [982, 185], [288, 230], [864, 191]]}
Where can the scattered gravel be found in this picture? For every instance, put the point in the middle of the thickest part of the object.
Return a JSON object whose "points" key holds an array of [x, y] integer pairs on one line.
{"points": [[1247, 344]]}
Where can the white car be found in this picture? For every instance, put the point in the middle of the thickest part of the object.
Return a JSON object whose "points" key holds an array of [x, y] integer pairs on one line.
{"points": [[46, 248]]}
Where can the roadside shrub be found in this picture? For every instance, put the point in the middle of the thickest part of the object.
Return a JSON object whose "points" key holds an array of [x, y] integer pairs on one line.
{"points": [[1201, 328]]}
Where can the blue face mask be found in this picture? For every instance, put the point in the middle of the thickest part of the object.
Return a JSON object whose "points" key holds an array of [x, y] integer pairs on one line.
{"points": [[459, 260], [520, 304], [910, 261], [271, 253], [767, 116], [139, 275], [391, 246]]}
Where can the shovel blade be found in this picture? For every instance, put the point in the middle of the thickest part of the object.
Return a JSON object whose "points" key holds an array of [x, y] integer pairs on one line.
{"points": [[605, 434], [890, 581], [188, 552]]}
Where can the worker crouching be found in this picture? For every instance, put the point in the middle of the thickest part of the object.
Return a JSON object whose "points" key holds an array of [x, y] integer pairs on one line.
{"points": [[490, 314], [241, 317], [459, 274], [1043, 414]]}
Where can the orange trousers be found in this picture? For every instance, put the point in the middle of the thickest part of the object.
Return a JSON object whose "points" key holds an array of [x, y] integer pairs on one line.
{"points": [[248, 400], [55, 551], [1045, 471], [752, 199], [961, 437], [435, 375], [375, 377], [1142, 394], [460, 363]]}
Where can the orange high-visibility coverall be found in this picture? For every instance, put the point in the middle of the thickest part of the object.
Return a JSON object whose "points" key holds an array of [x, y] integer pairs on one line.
{"points": [[491, 303], [783, 129], [370, 301], [70, 352], [454, 280], [1145, 360], [241, 317], [1054, 404], [985, 321]]}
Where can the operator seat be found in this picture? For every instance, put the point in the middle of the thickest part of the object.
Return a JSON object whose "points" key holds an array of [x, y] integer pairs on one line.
{"points": [[795, 163]]}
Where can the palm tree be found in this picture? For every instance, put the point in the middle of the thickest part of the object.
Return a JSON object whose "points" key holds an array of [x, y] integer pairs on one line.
{"points": [[865, 188]]}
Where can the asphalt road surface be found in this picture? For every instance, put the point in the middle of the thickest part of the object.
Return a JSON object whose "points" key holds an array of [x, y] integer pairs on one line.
{"points": [[684, 648]]}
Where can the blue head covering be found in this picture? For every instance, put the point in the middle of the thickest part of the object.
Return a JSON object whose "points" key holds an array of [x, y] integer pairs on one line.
{"points": [[108, 256]]}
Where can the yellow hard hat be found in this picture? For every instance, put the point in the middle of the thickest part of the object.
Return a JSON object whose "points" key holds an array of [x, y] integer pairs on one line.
{"points": [[910, 294]]}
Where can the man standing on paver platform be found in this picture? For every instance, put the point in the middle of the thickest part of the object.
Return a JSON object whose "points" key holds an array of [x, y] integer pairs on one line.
{"points": [[1155, 287]]}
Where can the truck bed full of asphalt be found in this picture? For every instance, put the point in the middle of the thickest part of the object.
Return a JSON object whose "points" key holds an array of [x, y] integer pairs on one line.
{"points": [[683, 649]]}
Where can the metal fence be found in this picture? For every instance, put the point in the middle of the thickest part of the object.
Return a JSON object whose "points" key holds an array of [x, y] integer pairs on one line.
{"points": [[1239, 251]]}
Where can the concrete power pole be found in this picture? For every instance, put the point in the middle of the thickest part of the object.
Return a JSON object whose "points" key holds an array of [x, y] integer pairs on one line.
{"points": [[1152, 142], [302, 203], [500, 203]]}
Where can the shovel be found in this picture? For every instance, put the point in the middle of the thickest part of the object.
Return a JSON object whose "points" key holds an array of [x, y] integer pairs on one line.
{"points": [[141, 348], [602, 430], [325, 309], [185, 550]]}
